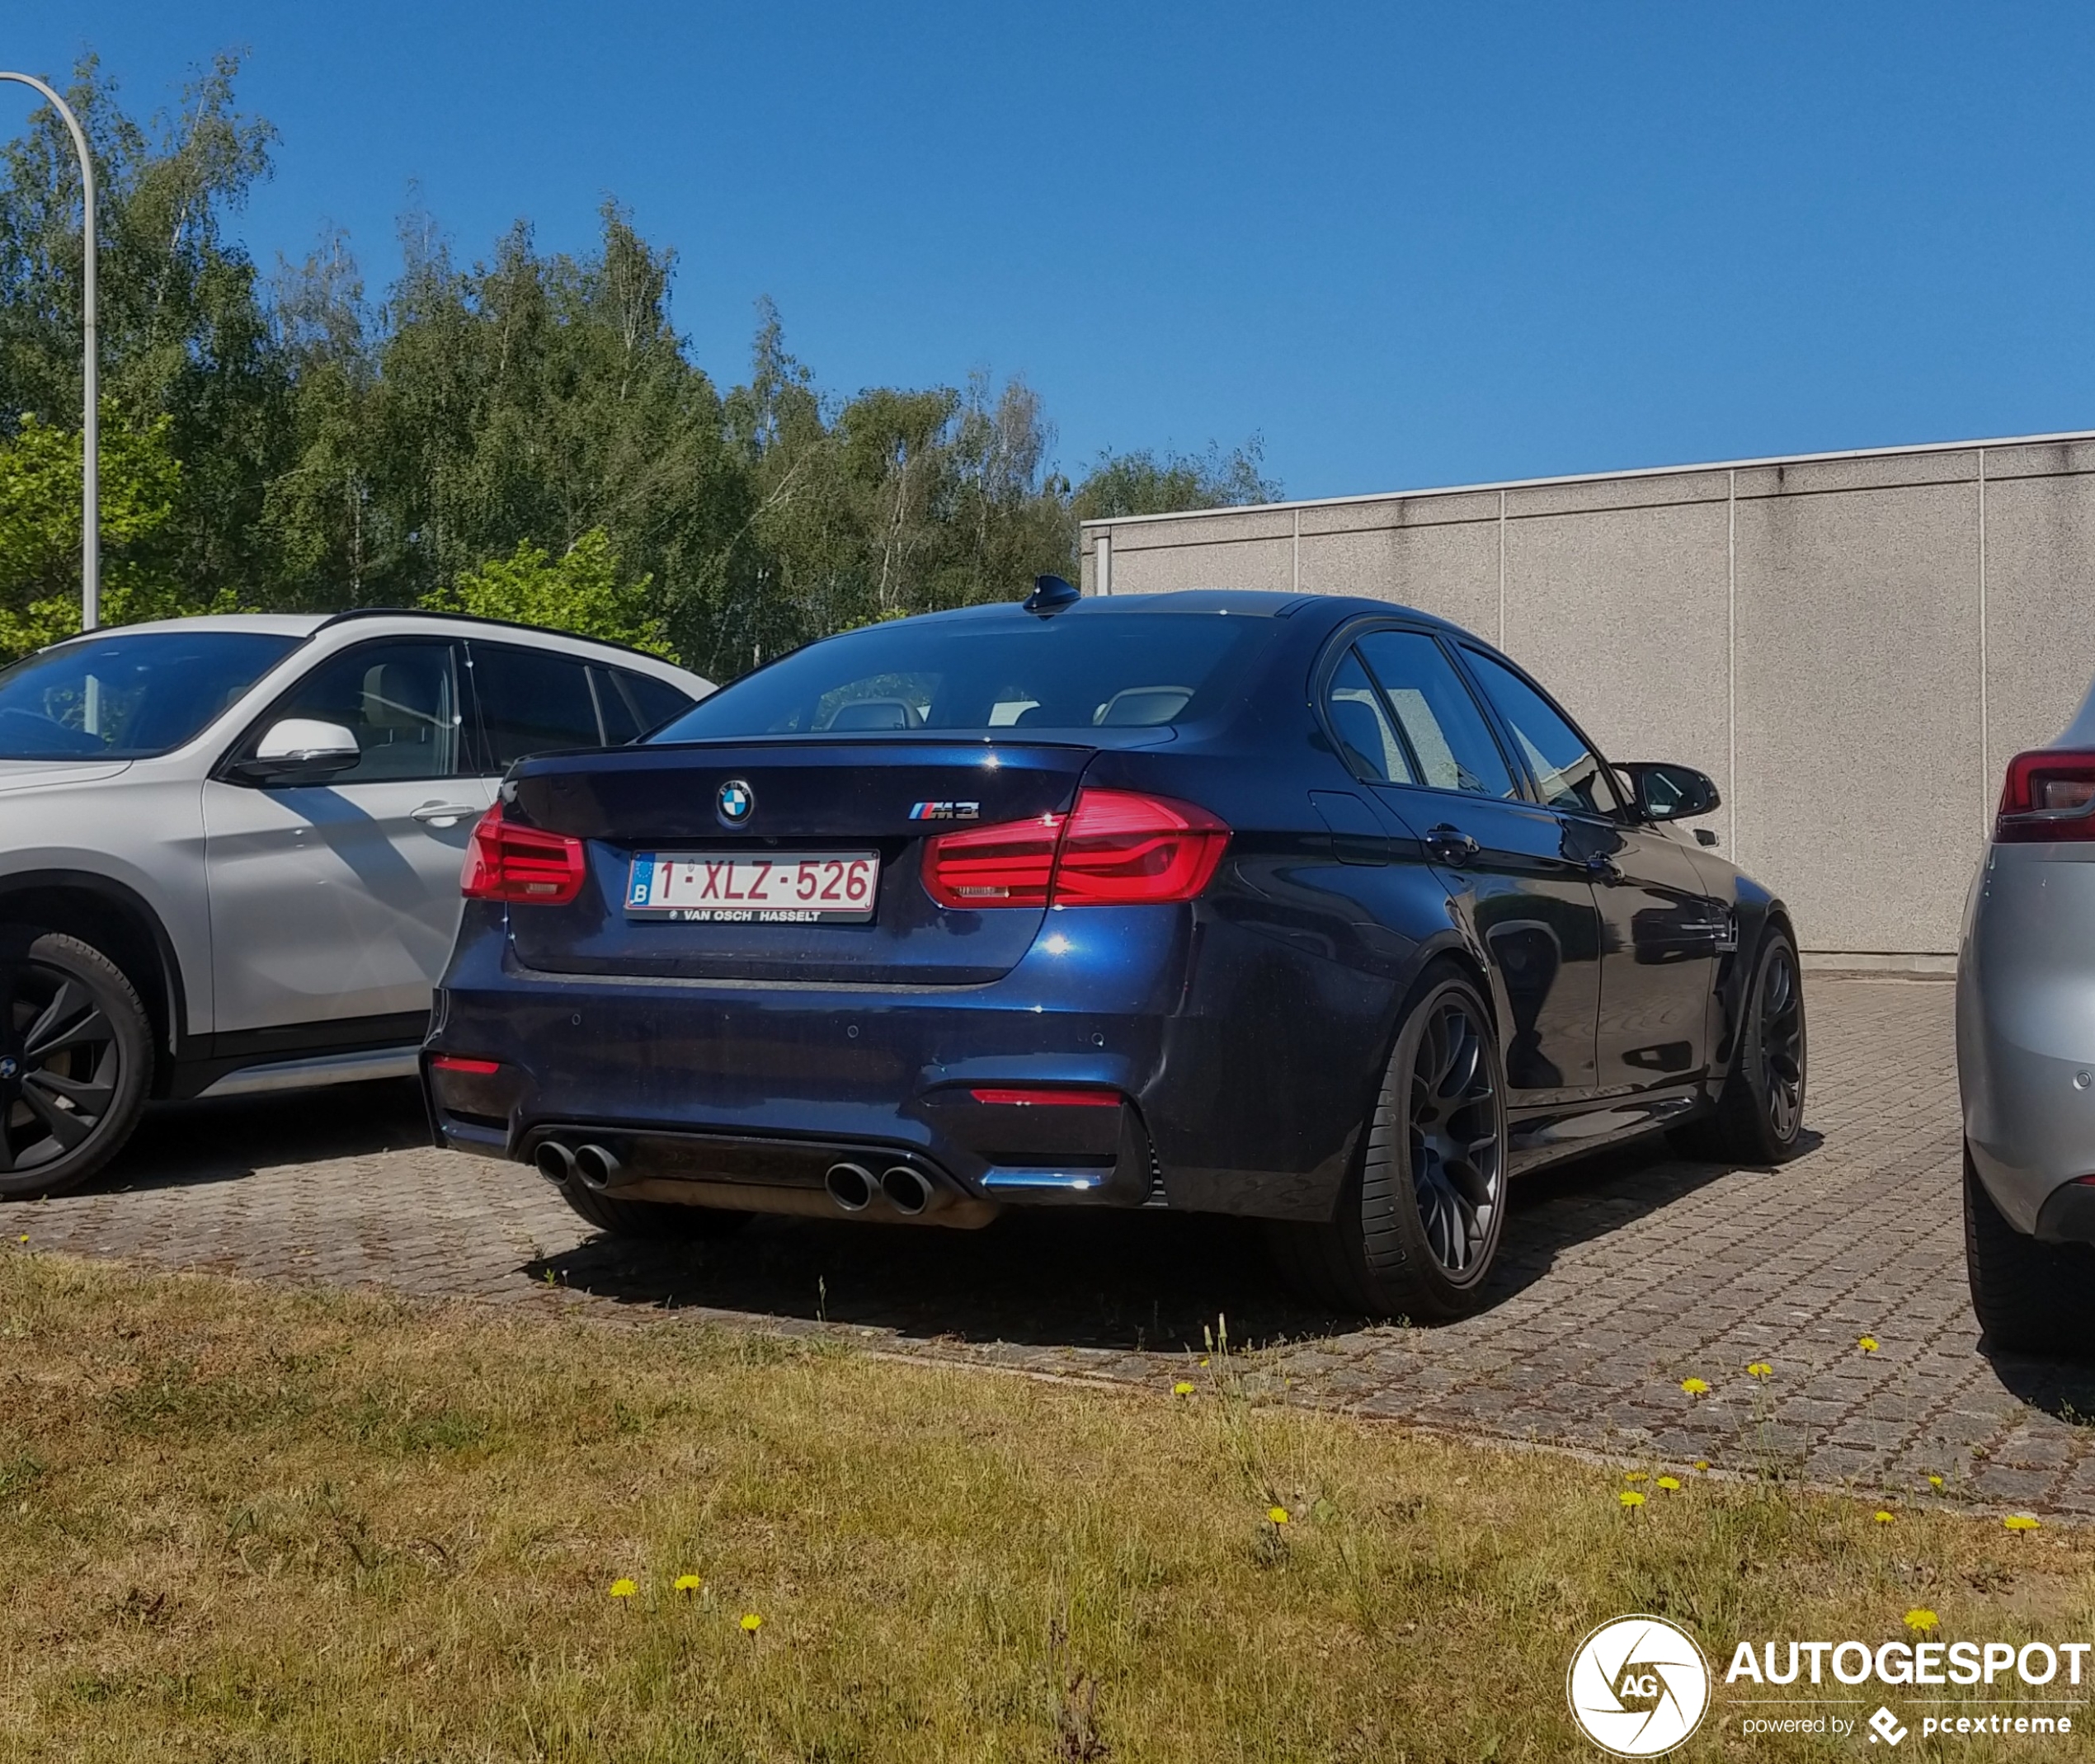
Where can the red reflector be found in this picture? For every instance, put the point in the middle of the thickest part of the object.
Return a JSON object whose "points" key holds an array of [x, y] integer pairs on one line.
{"points": [[1010, 864], [520, 864], [1117, 847], [452, 1062], [2049, 794], [1043, 1096]]}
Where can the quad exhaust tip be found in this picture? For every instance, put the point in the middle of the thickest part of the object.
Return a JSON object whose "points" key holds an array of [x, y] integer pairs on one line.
{"points": [[554, 1161], [907, 1190], [597, 1168], [850, 1185]]}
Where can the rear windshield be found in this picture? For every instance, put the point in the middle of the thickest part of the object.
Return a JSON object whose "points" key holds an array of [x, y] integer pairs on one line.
{"points": [[1059, 674], [128, 697]]}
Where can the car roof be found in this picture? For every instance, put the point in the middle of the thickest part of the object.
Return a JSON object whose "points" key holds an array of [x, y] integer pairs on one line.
{"points": [[304, 626], [1243, 602]]}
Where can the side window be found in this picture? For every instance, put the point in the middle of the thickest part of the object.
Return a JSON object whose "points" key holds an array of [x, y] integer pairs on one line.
{"points": [[1456, 748], [1367, 739], [630, 705], [1569, 775], [399, 699], [531, 701]]}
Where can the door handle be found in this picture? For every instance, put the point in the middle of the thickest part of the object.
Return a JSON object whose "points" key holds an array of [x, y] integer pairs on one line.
{"points": [[1449, 844], [444, 814]]}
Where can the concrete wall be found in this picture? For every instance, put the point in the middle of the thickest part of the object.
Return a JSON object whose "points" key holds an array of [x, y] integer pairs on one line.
{"points": [[1851, 645]]}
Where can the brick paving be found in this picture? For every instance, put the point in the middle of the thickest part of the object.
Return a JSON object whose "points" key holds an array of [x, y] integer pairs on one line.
{"points": [[1620, 1277]]}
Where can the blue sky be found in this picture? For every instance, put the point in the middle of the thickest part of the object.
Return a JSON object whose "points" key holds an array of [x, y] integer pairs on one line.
{"points": [[1405, 246]]}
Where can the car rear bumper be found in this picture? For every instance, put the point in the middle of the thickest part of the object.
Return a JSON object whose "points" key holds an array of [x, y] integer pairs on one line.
{"points": [[746, 1094], [2025, 1037]]}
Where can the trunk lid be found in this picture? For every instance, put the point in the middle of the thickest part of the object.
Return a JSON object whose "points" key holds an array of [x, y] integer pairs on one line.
{"points": [[806, 797]]}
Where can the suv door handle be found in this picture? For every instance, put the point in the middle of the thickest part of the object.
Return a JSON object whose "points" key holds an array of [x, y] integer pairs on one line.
{"points": [[444, 814], [1450, 844]]}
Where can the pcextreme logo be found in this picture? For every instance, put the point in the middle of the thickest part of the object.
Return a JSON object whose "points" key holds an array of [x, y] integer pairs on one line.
{"points": [[1638, 1686]]}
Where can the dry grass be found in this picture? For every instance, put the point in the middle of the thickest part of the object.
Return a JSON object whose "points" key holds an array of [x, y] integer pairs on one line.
{"points": [[243, 1522]]}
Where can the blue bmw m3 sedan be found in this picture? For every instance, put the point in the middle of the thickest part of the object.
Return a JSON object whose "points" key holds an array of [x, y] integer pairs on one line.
{"points": [[1317, 911]]}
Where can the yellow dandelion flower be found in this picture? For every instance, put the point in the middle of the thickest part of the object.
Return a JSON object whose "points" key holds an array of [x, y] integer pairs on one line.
{"points": [[1934, 1482], [751, 1623], [2021, 1521], [1867, 1343], [1634, 1475], [689, 1582], [1668, 1482], [1279, 1515], [1883, 1517], [1702, 1463], [623, 1588], [1760, 1369], [1182, 1389], [1629, 1497], [1920, 1620], [1695, 1386]]}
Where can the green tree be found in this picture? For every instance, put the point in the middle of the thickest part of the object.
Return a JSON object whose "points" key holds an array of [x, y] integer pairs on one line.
{"points": [[1148, 483], [39, 529], [580, 591]]}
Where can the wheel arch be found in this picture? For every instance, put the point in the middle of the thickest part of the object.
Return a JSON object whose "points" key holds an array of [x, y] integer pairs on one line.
{"points": [[119, 922]]}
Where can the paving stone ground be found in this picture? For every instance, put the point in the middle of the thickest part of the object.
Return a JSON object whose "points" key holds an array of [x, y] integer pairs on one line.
{"points": [[1620, 1277]]}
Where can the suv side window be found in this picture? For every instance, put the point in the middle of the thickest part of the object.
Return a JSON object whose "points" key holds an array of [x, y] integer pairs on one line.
{"points": [[400, 699], [531, 701], [1568, 773], [630, 705], [1455, 747]]}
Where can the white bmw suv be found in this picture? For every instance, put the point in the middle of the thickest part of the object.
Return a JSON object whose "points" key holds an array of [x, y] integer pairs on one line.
{"points": [[230, 847]]}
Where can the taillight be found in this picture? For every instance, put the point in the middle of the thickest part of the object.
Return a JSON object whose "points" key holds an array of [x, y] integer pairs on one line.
{"points": [[2050, 795], [1116, 848], [508, 862], [464, 1064], [1121, 849], [1010, 864]]}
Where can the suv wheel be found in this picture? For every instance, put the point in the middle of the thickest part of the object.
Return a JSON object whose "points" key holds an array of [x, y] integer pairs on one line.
{"points": [[1419, 1222], [1759, 1114], [76, 1060], [2030, 1297]]}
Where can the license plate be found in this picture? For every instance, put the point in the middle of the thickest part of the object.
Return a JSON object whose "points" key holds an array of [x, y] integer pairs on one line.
{"points": [[783, 888]]}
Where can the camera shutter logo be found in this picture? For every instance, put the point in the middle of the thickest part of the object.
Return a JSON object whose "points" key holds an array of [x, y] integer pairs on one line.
{"points": [[736, 801], [1638, 1686]]}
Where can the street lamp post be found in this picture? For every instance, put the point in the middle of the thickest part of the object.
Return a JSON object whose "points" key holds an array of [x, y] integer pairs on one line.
{"points": [[90, 421]]}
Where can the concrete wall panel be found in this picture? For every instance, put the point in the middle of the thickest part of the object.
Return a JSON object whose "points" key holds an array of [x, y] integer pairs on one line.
{"points": [[1255, 564], [1451, 572], [1857, 670], [2039, 601], [1625, 620]]}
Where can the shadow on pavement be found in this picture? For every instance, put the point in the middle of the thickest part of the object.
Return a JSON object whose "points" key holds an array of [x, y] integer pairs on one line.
{"points": [[179, 1144], [2061, 1388], [1120, 1281]]}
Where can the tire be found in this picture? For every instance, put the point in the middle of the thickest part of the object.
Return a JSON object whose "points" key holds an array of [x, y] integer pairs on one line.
{"points": [[1759, 1114], [2030, 1297], [1418, 1224], [75, 1061], [655, 1221]]}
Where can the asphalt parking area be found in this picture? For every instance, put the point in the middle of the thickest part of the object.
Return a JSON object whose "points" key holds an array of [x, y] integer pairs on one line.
{"points": [[1621, 1278]]}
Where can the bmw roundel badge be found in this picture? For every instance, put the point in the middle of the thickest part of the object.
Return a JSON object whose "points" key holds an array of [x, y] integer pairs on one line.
{"points": [[737, 803], [8, 1067]]}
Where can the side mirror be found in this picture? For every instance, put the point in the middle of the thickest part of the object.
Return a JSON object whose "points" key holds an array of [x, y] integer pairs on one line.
{"points": [[299, 750], [1670, 792]]}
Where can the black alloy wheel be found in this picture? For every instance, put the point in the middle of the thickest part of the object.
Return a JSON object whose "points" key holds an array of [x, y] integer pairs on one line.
{"points": [[1457, 1179], [76, 1056], [1758, 1118], [1417, 1225]]}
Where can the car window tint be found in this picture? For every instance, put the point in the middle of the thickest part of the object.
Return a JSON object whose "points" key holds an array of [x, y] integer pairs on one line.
{"points": [[129, 695], [1456, 748], [1566, 770], [630, 704], [1367, 739], [399, 699], [531, 701], [1080, 670]]}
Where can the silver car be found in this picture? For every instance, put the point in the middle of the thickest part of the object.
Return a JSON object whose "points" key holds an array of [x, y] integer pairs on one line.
{"points": [[2026, 1054], [230, 849]]}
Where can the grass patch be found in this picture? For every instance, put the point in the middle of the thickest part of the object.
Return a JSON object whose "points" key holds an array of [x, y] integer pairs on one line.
{"points": [[243, 1523]]}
